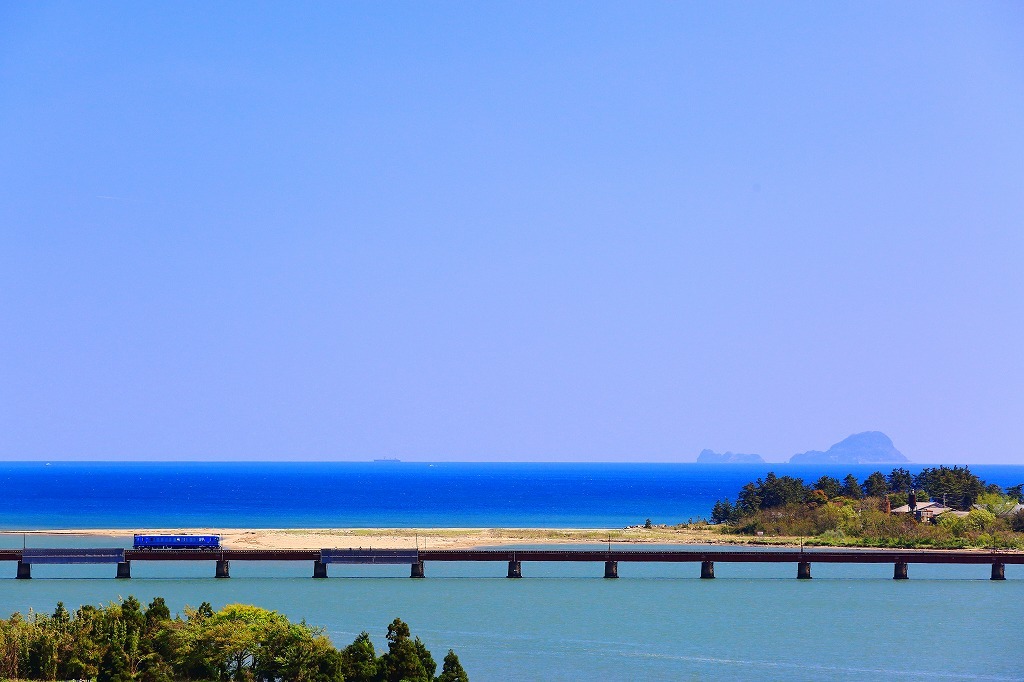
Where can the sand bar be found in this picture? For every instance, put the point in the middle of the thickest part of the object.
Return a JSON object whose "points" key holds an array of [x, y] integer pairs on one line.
{"points": [[633, 537], [426, 538]]}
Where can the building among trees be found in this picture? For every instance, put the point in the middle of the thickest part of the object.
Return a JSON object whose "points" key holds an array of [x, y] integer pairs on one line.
{"points": [[924, 511]]}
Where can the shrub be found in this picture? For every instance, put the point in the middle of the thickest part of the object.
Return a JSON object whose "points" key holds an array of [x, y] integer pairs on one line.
{"points": [[1017, 521], [979, 519]]}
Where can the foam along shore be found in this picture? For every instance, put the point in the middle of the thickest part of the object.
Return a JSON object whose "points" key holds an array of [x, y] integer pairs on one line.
{"points": [[423, 538]]}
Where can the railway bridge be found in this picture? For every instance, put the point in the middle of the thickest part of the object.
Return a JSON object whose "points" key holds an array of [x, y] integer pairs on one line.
{"points": [[417, 559]]}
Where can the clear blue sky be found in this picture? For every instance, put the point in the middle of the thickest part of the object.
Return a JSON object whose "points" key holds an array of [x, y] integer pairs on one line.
{"points": [[480, 231]]}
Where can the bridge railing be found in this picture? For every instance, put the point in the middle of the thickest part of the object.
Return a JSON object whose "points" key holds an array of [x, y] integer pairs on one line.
{"points": [[92, 555], [368, 556]]}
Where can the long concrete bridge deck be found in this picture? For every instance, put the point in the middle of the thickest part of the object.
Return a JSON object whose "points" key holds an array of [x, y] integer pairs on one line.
{"points": [[416, 559]]}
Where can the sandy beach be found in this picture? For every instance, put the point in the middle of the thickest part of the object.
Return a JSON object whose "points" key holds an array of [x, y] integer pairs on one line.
{"points": [[426, 538]]}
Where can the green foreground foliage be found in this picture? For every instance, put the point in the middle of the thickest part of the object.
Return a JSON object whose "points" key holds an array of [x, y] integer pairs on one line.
{"points": [[122, 642], [850, 512]]}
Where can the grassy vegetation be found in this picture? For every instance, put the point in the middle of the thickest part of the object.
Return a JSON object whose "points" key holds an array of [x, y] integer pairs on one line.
{"points": [[849, 513]]}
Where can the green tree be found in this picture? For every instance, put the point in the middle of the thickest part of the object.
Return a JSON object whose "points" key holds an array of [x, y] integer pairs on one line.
{"points": [[954, 525], [61, 617], [14, 641], [900, 480], [776, 491], [359, 660], [43, 650], [235, 633], [998, 504], [957, 486], [828, 485], [402, 661], [1016, 492], [83, 660], [875, 485], [429, 665], [1017, 521], [194, 657], [749, 500], [295, 652], [851, 488], [451, 670], [315, 660], [131, 614], [239, 643], [980, 519], [157, 613], [115, 664], [723, 511]]}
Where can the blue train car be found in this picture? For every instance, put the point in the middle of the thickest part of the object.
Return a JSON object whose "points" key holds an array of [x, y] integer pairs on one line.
{"points": [[177, 541]]}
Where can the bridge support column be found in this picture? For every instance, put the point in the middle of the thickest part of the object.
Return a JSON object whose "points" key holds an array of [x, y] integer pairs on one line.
{"points": [[899, 571], [24, 571], [998, 571], [515, 569], [223, 569], [319, 569], [124, 569], [611, 569], [803, 570], [707, 570], [417, 570]]}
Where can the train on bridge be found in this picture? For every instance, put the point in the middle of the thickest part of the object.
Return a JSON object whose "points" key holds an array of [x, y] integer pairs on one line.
{"points": [[176, 541]]}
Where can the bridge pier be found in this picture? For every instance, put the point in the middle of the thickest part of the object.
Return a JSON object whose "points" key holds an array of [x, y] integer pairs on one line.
{"points": [[124, 569], [611, 569], [319, 569], [24, 571], [417, 570], [707, 570], [223, 569], [515, 569], [803, 570], [899, 571], [998, 570]]}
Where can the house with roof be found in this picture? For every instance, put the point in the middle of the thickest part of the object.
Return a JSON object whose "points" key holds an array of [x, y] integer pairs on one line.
{"points": [[924, 511], [1005, 512]]}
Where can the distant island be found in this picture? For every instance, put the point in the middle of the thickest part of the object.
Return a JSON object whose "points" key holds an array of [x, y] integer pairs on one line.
{"points": [[712, 457], [869, 447]]}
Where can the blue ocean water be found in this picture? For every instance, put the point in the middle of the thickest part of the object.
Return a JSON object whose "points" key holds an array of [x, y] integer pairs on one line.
{"points": [[380, 494], [561, 622]]}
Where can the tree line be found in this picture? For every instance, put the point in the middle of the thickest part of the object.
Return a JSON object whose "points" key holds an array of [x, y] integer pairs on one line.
{"points": [[957, 487], [856, 512], [122, 642]]}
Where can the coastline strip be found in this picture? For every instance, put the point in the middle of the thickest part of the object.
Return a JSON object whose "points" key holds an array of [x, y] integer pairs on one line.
{"points": [[427, 538]]}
